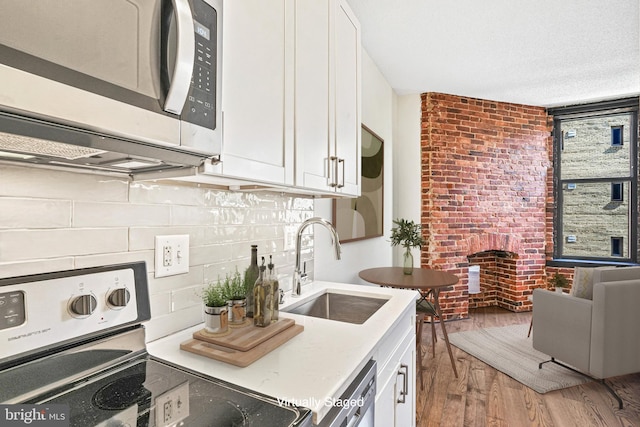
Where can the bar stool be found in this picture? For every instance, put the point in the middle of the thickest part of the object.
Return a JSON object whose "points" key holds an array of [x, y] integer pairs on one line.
{"points": [[530, 298], [428, 308], [419, 322]]}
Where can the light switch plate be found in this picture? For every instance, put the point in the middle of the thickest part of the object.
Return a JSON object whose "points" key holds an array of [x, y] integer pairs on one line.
{"points": [[171, 255]]}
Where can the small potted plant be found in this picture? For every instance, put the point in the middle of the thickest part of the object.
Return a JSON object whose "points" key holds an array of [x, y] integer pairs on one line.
{"points": [[409, 235], [216, 317], [559, 281], [235, 292]]}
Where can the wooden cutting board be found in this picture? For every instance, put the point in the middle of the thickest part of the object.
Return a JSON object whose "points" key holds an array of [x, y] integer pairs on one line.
{"points": [[245, 338], [237, 357]]}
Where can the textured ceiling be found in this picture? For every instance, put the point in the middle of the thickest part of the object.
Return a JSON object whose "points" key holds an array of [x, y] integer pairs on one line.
{"points": [[535, 52]]}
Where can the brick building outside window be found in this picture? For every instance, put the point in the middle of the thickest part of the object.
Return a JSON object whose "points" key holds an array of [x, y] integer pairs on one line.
{"points": [[596, 182]]}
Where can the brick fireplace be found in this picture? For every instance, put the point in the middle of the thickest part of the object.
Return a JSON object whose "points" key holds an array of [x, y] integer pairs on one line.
{"points": [[486, 177]]}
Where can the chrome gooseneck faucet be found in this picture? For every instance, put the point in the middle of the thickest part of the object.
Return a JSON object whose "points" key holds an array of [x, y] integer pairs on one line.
{"points": [[297, 273]]}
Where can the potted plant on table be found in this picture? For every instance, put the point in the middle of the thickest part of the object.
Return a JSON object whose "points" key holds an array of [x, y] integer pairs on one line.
{"points": [[235, 291], [216, 317], [559, 281], [408, 234]]}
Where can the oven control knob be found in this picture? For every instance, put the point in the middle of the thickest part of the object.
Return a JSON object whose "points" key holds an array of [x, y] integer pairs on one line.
{"points": [[119, 298], [83, 305]]}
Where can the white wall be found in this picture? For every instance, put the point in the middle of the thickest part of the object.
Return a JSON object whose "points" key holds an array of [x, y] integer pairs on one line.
{"points": [[378, 101], [406, 158]]}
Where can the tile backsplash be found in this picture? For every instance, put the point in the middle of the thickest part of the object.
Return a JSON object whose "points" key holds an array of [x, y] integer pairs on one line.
{"points": [[56, 220]]}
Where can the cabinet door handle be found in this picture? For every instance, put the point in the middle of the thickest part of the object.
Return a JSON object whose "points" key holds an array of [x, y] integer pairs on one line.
{"points": [[405, 382], [406, 378], [333, 171], [340, 185]]}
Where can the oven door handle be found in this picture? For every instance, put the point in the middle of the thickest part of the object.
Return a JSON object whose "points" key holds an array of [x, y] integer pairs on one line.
{"points": [[354, 418], [185, 57]]}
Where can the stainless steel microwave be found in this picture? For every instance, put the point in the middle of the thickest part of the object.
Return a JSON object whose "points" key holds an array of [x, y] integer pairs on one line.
{"points": [[103, 83]]}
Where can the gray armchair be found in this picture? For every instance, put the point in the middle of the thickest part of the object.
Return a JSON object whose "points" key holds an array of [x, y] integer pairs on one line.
{"points": [[598, 337]]}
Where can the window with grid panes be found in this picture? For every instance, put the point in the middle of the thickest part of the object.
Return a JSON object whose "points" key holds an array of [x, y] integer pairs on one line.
{"points": [[595, 181]]}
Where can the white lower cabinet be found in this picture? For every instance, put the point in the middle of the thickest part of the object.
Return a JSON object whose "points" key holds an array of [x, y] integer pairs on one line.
{"points": [[396, 395], [405, 393]]}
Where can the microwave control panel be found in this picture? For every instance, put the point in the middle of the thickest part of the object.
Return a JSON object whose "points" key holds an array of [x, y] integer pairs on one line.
{"points": [[200, 108]]}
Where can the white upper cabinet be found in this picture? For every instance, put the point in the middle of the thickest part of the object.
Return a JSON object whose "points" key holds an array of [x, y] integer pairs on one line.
{"points": [[312, 106], [347, 104], [257, 90], [327, 97], [291, 94]]}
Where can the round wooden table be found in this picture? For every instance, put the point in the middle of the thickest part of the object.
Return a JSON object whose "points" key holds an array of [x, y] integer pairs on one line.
{"points": [[424, 280]]}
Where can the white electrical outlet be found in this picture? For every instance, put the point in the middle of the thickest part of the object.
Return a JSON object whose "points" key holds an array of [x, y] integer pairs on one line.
{"points": [[172, 406], [171, 255]]}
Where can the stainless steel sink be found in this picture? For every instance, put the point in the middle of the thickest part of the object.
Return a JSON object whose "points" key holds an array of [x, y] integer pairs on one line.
{"points": [[341, 307]]}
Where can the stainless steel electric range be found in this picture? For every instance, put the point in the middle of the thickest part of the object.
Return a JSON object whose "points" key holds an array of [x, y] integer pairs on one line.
{"points": [[75, 338]]}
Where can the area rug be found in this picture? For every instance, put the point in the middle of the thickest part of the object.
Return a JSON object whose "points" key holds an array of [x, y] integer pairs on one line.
{"points": [[508, 350]]}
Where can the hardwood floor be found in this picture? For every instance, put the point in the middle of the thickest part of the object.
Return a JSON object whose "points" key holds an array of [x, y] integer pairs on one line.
{"points": [[483, 396]]}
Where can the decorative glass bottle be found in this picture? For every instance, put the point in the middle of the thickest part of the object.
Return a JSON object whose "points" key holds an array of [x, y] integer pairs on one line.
{"points": [[275, 294], [250, 277], [262, 296], [407, 264]]}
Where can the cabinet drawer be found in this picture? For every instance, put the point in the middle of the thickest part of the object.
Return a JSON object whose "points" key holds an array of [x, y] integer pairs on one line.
{"points": [[387, 368], [406, 325], [388, 372]]}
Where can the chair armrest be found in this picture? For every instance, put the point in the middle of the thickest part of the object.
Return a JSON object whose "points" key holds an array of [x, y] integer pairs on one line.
{"points": [[615, 343], [562, 327], [615, 274]]}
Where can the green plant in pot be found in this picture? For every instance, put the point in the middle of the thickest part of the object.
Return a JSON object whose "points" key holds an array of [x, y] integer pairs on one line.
{"points": [[235, 291], [233, 287], [409, 235], [216, 317], [559, 281]]}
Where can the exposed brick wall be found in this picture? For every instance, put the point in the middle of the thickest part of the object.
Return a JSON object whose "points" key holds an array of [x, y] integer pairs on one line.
{"points": [[485, 187]]}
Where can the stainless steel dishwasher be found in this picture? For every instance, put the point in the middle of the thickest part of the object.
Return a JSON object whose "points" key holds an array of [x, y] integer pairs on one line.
{"points": [[356, 405]]}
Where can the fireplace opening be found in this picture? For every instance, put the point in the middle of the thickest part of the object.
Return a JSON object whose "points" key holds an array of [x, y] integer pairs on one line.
{"points": [[497, 280]]}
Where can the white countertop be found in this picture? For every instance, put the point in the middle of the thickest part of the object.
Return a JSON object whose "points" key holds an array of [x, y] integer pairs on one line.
{"points": [[315, 365]]}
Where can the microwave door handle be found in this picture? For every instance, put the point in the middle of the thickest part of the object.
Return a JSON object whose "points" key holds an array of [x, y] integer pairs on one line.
{"points": [[185, 57]]}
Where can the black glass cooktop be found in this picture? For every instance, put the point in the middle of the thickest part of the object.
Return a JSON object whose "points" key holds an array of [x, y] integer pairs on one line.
{"points": [[149, 393]]}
